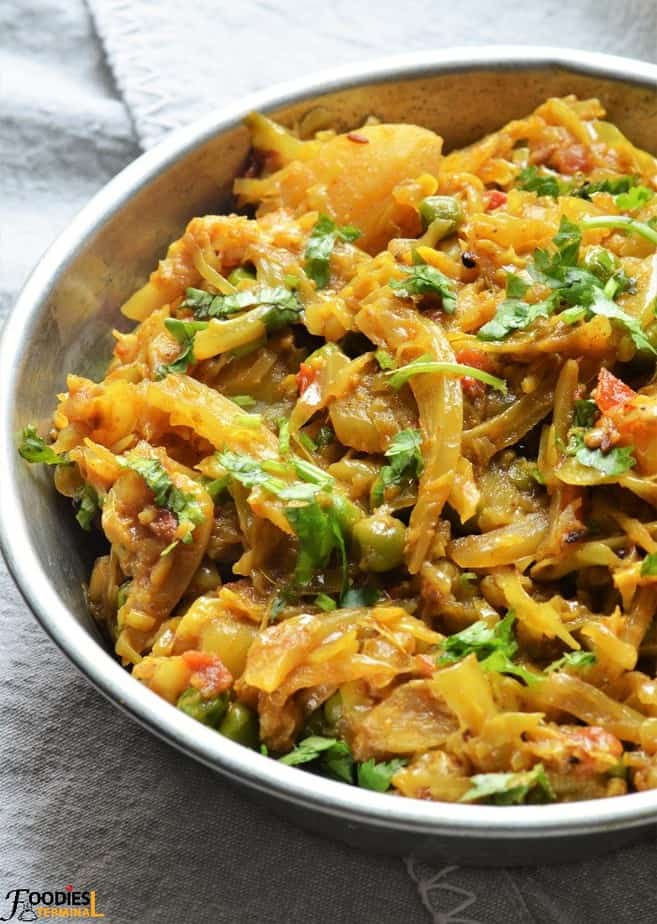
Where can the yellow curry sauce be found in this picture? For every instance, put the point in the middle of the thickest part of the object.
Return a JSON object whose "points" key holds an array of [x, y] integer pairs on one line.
{"points": [[377, 466]]}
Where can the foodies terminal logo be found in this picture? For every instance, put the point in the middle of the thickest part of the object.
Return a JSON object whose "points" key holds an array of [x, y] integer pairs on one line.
{"points": [[31, 905]]}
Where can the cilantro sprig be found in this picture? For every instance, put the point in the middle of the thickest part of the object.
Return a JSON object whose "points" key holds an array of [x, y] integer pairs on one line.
{"points": [[319, 526], [332, 757], [397, 378], [582, 293], [184, 332], [183, 506], [405, 463], [320, 246], [34, 449], [529, 786], [575, 659], [426, 280], [494, 647]]}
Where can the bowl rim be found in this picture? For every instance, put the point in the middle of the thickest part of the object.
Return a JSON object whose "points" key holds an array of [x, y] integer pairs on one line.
{"points": [[250, 768]]}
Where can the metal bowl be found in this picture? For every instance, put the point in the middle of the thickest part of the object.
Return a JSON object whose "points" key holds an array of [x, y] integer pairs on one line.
{"points": [[62, 321]]}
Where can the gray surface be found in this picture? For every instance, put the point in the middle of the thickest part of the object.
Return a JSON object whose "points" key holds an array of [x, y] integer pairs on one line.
{"points": [[88, 797]]}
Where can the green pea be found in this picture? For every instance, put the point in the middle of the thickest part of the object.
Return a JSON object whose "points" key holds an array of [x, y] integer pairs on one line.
{"points": [[442, 213], [208, 711], [241, 274], [333, 709], [241, 725], [601, 262], [380, 540]]}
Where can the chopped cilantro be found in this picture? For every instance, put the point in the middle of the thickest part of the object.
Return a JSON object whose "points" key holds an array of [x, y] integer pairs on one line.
{"points": [[543, 184], [494, 647], [426, 280], [406, 463], [307, 442], [634, 198], [425, 364], [320, 246], [385, 360], [356, 597], [283, 303], [617, 461], [320, 534], [34, 449], [184, 332], [89, 505], [326, 603], [378, 776], [184, 507], [649, 565], [577, 659], [510, 788], [585, 412]]}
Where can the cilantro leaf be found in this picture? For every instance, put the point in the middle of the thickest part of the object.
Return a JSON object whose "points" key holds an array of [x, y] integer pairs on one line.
{"points": [[542, 184], [649, 565], [326, 603], [603, 306], [356, 597], [307, 750], [378, 776], [482, 640], [500, 662], [320, 246], [510, 788], [426, 280], [89, 505], [184, 332], [184, 507], [585, 413], [634, 198], [576, 659], [617, 461], [206, 306], [494, 647], [514, 314], [614, 186], [425, 364], [34, 449], [406, 463], [319, 532], [338, 762]]}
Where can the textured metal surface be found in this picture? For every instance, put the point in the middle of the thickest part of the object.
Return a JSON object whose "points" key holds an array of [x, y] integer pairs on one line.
{"points": [[62, 322]]}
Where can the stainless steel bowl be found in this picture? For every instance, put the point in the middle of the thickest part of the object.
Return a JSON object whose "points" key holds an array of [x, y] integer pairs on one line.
{"points": [[62, 321]]}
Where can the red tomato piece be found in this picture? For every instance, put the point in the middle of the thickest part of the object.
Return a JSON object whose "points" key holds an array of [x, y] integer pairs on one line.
{"points": [[305, 377], [209, 673], [496, 198], [611, 394]]}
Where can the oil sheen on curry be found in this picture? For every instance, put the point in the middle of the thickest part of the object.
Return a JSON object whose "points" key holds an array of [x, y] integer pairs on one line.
{"points": [[376, 468]]}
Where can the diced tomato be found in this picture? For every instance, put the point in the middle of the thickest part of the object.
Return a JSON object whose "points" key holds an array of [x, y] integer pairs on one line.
{"points": [[471, 357], [473, 388], [209, 673], [496, 198], [573, 159], [611, 394], [305, 377]]}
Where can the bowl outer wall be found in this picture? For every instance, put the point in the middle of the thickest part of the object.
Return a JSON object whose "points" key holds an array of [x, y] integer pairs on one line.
{"points": [[62, 321]]}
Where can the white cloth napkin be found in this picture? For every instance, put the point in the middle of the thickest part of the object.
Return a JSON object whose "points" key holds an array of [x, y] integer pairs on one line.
{"points": [[173, 61], [87, 796]]}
